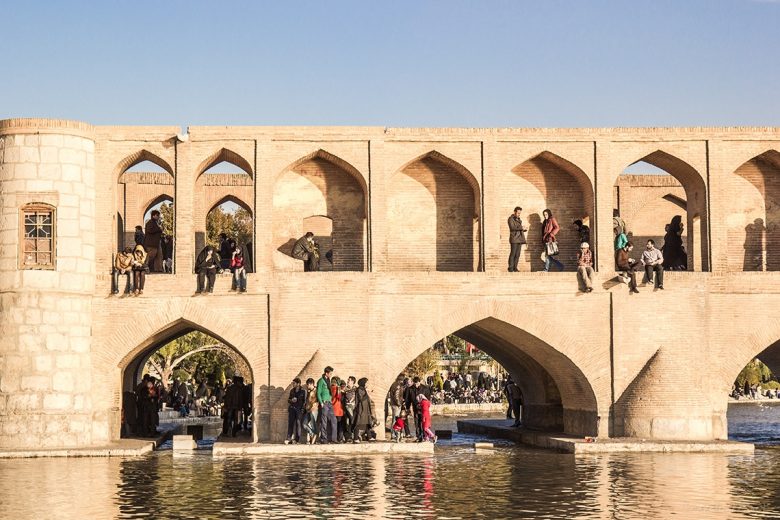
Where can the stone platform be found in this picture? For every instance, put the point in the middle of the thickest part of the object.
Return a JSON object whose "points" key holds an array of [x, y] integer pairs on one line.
{"points": [[500, 428], [364, 448], [120, 448]]}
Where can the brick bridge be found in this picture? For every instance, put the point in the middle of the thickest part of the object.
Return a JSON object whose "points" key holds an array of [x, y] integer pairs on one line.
{"points": [[417, 222]]}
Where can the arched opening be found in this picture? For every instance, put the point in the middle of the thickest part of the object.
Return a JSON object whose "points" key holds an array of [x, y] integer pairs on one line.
{"points": [[143, 181], [754, 399], [322, 185], [224, 183], [433, 217], [662, 198], [557, 396], [192, 370], [548, 181], [232, 217], [754, 224]]}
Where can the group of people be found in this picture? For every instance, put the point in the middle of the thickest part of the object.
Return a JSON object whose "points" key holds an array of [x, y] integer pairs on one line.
{"points": [[671, 256], [330, 410], [410, 398], [153, 252], [754, 391], [210, 262], [140, 407]]}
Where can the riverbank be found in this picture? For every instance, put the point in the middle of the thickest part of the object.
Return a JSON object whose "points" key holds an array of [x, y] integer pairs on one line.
{"points": [[500, 428]]}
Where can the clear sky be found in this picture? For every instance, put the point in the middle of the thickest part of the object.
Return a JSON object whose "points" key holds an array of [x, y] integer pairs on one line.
{"points": [[550, 63]]}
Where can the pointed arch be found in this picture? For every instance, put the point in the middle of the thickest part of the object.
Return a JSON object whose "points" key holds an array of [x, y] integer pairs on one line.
{"points": [[549, 181], [235, 200], [321, 183], [696, 204], [331, 158], [224, 155], [679, 201], [155, 201], [454, 165], [139, 157], [523, 343], [754, 225]]}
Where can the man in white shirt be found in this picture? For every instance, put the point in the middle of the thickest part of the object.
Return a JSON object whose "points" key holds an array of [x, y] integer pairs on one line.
{"points": [[653, 261]]}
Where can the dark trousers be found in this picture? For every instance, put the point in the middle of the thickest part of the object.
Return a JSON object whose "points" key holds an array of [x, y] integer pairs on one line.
{"points": [[418, 429], [230, 424], [294, 424], [516, 409], [139, 278], [311, 264], [514, 257], [203, 275], [328, 426], [659, 274], [152, 258]]}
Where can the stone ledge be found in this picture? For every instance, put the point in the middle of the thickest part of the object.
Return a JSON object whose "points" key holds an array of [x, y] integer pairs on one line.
{"points": [[577, 445], [365, 448], [120, 448]]}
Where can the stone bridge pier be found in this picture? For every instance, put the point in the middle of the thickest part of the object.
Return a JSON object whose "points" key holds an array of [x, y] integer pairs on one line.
{"points": [[415, 220]]}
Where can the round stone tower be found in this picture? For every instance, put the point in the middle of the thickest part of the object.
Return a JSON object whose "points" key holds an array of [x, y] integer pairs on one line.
{"points": [[47, 279]]}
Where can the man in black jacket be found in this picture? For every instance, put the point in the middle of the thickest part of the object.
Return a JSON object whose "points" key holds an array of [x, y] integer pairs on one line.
{"points": [[410, 400], [152, 238], [296, 400], [516, 238]]}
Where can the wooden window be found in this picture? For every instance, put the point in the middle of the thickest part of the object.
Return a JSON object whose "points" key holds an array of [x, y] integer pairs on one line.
{"points": [[37, 241]]}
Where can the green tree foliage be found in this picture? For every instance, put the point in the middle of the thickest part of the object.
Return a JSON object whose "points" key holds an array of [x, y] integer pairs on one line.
{"points": [[166, 218], [195, 355], [237, 226], [424, 364], [754, 372]]}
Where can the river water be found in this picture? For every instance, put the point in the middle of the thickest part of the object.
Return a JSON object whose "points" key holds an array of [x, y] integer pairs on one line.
{"points": [[509, 482]]}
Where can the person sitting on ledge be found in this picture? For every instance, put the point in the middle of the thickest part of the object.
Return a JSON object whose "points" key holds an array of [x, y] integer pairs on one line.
{"points": [[307, 250], [653, 261], [206, 266], [140, 268], [625, 263], [585, 271], [123, 265]]}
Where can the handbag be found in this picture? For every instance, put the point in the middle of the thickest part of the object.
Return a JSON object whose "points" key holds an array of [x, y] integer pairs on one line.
{"points": [[551, 248]]}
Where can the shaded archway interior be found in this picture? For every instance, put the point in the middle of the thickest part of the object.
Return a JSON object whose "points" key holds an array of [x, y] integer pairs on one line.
{"points": [[548, 181], [754, 226], [556, 394], [684, 193], [433, 216], [321, 185], [133, 363]]}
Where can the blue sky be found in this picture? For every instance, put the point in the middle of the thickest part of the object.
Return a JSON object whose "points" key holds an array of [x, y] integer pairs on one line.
{"points": [[550, 63]]}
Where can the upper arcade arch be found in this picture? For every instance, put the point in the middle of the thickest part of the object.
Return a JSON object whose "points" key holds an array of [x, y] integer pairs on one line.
{"points": [[223, 155], [548, 181], [322, 184], [433, 213], [754, 220], [137, 158], [695, 200]]}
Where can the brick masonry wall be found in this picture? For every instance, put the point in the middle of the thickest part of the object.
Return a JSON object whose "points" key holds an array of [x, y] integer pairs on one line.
{"points": [[431, 219], [45, 363], [605, 362]]}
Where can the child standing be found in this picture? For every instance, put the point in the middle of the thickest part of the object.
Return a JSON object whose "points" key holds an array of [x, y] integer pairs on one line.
{"points": [[425, 407], [398, 427]]}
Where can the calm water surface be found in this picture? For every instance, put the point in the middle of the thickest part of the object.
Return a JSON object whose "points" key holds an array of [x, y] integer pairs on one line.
{"points": [[510, 482]]}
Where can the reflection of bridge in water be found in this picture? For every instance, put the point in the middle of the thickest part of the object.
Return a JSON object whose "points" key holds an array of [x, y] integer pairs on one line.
{"points": [[417, 223]]}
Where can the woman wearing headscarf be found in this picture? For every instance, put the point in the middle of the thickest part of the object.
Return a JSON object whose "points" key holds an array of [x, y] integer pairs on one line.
{"points": [[550, 228], [238, 266], [140, 267], [675, 258], [206, 266], [364, 413]]}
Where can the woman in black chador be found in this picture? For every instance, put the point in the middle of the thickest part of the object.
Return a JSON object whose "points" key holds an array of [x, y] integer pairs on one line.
{"points": [[675, 258]]}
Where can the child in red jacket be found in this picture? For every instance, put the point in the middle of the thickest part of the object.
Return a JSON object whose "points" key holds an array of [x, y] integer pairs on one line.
{"points": [[398, 427], [425, 407]]}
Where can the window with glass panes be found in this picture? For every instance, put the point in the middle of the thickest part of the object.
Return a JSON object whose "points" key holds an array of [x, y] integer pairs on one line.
{"points": [[37, 241]]}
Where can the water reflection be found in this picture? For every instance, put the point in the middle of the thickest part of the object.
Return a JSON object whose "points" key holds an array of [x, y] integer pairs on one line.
{"points": [[513, 481]]}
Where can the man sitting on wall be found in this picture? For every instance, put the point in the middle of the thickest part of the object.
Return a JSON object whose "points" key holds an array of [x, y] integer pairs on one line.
{"points": [[307, 250]]}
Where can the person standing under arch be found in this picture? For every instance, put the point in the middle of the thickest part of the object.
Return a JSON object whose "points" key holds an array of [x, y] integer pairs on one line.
{"points": [[152, 238], [550, 228], [516, 238]]}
